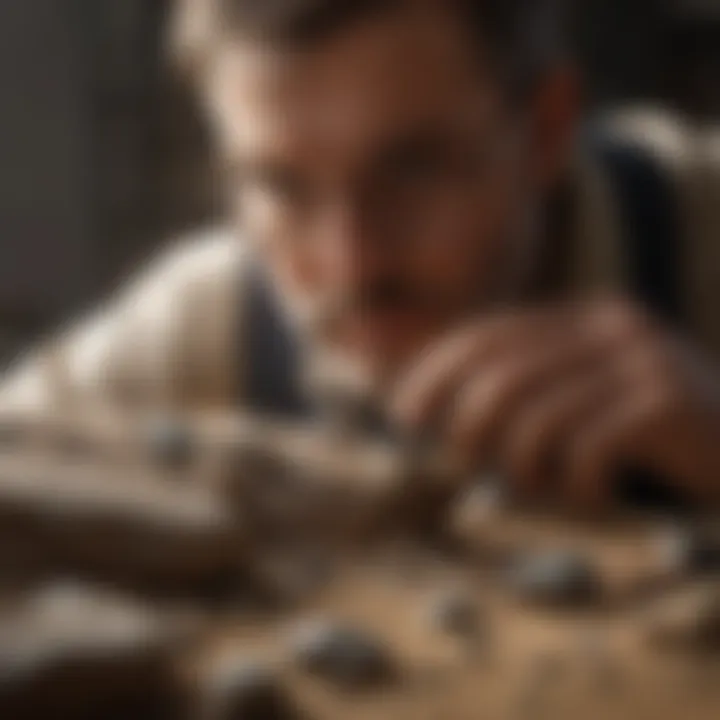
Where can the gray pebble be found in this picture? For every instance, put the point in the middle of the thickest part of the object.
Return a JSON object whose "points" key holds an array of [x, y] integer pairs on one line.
{"points": [[689, 551], [170, 443], [341, 654], [555, 578], [299, 576], [488, 495], [688, 621], [117, 651], [244, 690], [455, 613], [708, 623]]}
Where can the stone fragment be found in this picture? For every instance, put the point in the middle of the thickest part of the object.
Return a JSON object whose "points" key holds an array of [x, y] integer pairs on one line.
{"points": [[170, 443], [555, 578], [72, 651], [687, 551], [487, 496], [688, 620], [455, 613], [240, 689], [344, 655]]}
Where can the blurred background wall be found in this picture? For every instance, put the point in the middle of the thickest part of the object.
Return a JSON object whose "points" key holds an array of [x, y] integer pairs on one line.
{"points": [[103, 155]]}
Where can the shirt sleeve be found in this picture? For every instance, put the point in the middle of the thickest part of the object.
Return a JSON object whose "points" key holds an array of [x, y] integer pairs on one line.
{"points": [[163, 340]]}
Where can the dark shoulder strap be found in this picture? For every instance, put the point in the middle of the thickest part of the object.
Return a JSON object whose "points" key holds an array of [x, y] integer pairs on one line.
{"points": [[652, 246], [269, 350], [650, 222]]}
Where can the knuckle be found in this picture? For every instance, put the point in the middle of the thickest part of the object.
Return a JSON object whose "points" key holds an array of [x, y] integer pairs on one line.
{"points": [[583, 455], [531, 433], [657, 373], [495, 388], [620, 319], [663, 399], [479, 404], [505, 383], [523, 452]]}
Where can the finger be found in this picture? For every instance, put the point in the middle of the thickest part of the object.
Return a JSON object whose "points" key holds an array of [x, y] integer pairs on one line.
{"points": [[433, 379], [536, 437], [488, 408], [604, 444]]}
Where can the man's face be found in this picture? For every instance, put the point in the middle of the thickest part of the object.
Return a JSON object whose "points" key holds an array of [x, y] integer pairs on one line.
{"points": [[384, 177]]}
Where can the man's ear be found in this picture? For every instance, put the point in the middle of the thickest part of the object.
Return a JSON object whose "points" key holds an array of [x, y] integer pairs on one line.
{"points": [[555, 115]]}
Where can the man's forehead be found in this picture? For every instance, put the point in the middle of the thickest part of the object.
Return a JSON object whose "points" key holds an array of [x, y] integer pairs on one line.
{"points": [[367, 81]]}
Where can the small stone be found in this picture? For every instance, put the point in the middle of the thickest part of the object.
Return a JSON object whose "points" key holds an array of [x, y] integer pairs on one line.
{"points": [[349, 414], [170, 443], [555, 578], [240, 689], [340, 654], [487, 496], [455, 613], [687, 621], [689, 551], [71, 651], [297, 576]]}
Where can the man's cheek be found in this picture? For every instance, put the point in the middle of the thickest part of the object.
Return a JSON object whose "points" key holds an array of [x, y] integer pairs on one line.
{"points": [[458, 271]]}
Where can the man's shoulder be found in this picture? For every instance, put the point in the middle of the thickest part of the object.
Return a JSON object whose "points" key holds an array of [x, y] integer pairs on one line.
{"points": [[185, 270], [210, 253], [686, 154], [188, 302], [639, 158], [683, 146], [658, 130]]}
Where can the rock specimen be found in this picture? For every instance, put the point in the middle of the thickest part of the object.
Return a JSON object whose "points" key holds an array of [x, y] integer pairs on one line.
{"points": [[341, 654], [237, 688], [554, 578], [78, 653]]}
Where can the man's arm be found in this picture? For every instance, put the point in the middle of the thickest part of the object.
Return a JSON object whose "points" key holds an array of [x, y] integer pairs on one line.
{"points": [[165, 340], [562, 398]]}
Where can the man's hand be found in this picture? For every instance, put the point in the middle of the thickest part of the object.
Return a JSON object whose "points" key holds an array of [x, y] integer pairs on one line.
{"points": [[561, 399]]}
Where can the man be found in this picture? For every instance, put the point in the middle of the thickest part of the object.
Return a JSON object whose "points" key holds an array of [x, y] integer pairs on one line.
{"points": [[412, 203]]}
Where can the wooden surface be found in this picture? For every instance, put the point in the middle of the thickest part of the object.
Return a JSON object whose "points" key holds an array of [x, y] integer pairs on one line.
{"points": [[525, 662]]}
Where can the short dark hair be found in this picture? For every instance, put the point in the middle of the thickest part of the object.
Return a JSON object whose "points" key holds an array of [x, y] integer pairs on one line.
{"points": [[521, 37]]}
